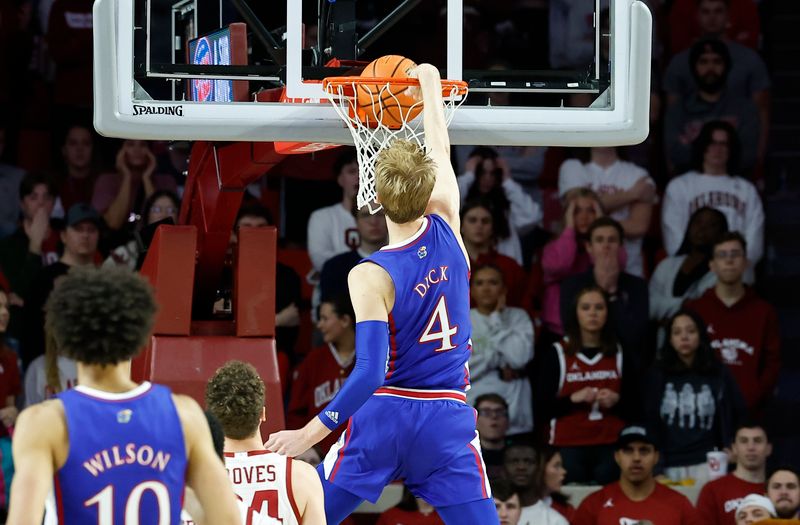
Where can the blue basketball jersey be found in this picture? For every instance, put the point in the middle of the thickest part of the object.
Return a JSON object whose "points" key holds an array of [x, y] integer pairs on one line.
{"points": [[126, 458], [429, 326]]}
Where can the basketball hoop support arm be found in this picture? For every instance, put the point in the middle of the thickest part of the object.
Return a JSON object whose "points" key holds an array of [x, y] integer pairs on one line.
{"points": [[387, 23]]}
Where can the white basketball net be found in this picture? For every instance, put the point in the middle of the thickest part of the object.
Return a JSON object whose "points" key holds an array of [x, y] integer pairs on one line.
{"points": [[369, 141]]}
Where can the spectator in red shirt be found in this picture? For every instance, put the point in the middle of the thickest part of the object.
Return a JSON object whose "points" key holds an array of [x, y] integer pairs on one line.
{"points": [[10, 387], [742, 327], [325, 369], [410, 511], [636, 496], [719, 499], [586, 390], [783, 489], [477, 230]]}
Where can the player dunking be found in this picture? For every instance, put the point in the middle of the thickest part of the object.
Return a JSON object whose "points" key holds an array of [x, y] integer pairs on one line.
{"points": [[112, 451], [406, 394]]}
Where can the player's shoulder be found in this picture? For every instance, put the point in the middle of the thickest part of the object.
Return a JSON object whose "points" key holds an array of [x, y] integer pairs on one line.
{"points": [[46, 413], [368, 273], [32, 422], [302, 471]]}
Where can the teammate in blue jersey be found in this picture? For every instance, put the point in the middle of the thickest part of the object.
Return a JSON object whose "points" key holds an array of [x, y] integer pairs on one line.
{"points": [[111, 451], [406, 394]]}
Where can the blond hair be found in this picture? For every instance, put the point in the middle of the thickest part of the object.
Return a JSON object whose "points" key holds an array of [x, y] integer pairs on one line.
{"points": [[404, 180]]}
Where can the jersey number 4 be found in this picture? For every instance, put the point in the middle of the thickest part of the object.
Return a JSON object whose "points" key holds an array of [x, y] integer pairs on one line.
{"points": [[270, 497], [445, 333]]}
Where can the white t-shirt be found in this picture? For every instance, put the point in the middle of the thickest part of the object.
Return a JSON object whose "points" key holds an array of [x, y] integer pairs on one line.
{"points": [[541, 513], [735, 197], [36, 388], [329, 229], [620, 176]]}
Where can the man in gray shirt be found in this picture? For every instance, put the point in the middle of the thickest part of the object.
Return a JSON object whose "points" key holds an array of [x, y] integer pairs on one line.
{"points": [[711, 99], [748, 76]]}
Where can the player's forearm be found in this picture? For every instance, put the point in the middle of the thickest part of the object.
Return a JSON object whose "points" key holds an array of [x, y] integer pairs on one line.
{"points": [[433, 119], [372, 343]]}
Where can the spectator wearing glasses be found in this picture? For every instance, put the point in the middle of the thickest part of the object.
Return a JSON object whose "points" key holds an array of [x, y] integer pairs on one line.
{"points": [[742, 327], [492, 427], [502, 345]]}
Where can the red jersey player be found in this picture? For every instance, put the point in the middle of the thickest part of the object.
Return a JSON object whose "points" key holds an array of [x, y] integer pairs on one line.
{"points": [[636, 496]]}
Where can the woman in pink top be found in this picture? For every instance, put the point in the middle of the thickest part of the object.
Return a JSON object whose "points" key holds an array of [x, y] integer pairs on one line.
{"points": [[566, 256]]}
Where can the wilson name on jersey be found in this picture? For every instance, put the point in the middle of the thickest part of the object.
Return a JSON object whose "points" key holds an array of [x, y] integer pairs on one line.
{"points": [[126, 458]]}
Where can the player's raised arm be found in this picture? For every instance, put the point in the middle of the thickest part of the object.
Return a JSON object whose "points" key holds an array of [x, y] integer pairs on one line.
{"points": [[445, 199], [205, 473], [34, 461], [372, 294]]}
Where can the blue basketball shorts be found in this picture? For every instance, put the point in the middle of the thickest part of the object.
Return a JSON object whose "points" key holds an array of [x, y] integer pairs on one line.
{"points": [[427, 439]]}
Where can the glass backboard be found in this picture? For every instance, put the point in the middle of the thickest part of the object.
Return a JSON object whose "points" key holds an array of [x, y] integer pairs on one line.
{"points": [[523, 84]]}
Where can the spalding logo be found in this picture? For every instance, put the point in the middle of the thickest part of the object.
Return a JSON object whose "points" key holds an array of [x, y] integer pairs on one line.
{"points": [[139, 109]]}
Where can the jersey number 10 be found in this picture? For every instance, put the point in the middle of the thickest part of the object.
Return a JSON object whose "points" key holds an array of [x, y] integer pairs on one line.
{"points": [[445, 333], [105, 503]]}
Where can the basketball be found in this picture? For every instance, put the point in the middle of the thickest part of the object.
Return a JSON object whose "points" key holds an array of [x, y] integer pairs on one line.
{"points": [[389, 105]]}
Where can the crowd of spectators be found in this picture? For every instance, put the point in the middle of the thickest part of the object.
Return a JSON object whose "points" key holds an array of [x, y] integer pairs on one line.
{"points": [[617, 336]]}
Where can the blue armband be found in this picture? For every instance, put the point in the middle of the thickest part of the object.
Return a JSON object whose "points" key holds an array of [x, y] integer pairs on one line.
{"points": [[369, 372]]}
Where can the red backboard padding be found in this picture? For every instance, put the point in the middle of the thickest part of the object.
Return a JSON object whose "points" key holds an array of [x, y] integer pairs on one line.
{"points": [[185, 364], [254, 290], [169, 266]]}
